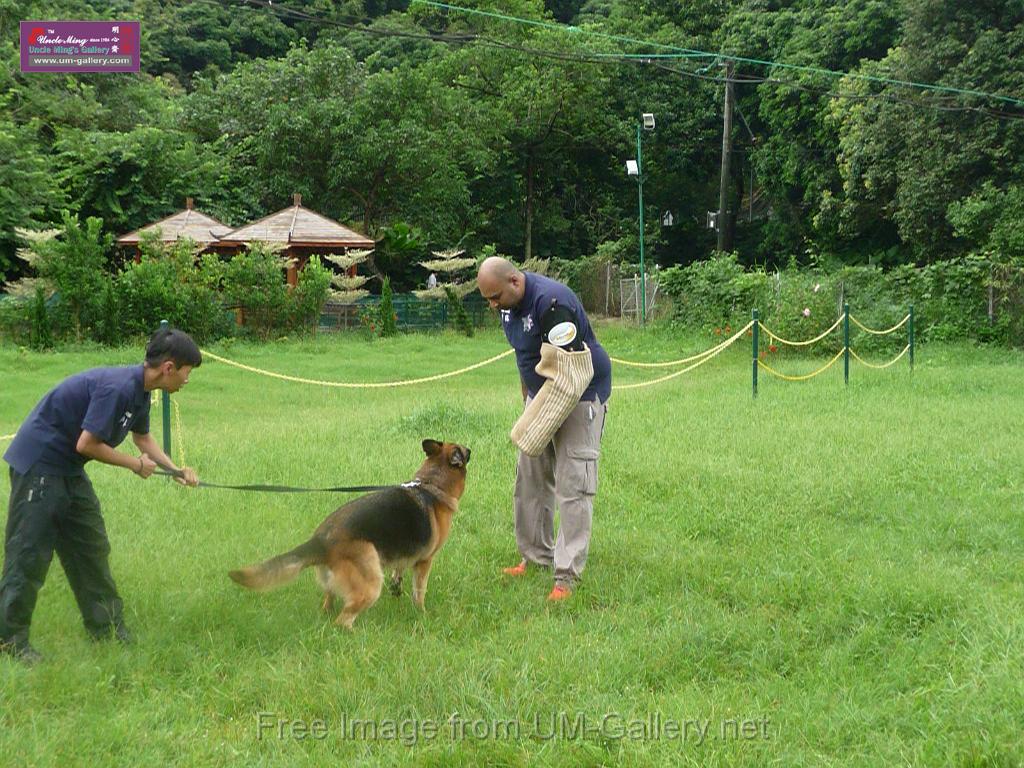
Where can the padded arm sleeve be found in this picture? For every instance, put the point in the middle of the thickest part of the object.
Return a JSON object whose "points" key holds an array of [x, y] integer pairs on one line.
{"points": [[559, 328]]}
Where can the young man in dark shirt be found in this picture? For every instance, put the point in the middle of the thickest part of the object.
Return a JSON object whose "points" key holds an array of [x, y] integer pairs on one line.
{"points": [[537, 310], [52, 504]]}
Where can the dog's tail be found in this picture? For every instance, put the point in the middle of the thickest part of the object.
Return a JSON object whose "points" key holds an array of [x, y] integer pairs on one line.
{"points": [[281, 569]]}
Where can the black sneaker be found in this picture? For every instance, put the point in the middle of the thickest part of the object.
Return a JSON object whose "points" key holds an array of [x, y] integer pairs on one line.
{"points": [[22, 651]]}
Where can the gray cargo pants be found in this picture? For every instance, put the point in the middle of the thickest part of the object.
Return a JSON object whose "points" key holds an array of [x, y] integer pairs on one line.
{"points": [[566, 474]]}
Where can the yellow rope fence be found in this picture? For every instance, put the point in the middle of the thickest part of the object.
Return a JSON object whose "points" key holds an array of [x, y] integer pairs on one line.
{"points": [[876, 366], [774, 337], [864, 328], [701, 358], [697, 360], [181, 433], [817, 338], [805, 377], [354, 385], [706, 356], [666, 364]]}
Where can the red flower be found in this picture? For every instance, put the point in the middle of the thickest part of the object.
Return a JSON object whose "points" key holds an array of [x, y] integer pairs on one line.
{"points": [[772, 348], [718, 331], [728, 329]]}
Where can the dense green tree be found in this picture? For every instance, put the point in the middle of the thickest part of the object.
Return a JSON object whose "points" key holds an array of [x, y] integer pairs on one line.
{"points": [[73, 264], [182, 37], [475, 130], [132, 178], [373, 149], [910, 157], [29, 192], [549, 123], [787, 109]]}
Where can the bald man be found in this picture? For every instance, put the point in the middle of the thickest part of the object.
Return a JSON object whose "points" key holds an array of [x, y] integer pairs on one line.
{"points": [[534, 310]]}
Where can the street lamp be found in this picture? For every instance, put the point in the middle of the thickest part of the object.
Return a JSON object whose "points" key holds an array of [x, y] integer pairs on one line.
{"points": [[636, 168]]}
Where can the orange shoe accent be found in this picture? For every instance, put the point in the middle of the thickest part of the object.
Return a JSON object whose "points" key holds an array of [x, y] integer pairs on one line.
{"points": [[515, 570], [559, 593]]}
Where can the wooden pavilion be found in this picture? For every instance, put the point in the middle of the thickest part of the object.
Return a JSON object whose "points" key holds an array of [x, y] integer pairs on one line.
{"points": [[300, 231], [204, 230]]}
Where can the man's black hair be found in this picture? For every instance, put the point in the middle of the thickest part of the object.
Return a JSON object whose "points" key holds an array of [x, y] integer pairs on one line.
{"points": [[174, 345]]}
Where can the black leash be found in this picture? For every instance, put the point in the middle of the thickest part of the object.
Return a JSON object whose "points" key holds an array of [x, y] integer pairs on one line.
{"points": [[167, 472]]}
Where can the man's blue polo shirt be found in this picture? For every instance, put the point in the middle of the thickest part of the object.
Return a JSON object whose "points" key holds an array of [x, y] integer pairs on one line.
{"points": [[108, 402], [523, 331]]}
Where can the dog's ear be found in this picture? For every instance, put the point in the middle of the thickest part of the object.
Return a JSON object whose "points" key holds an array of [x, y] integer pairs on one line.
{"points": [[458, 458], [431, 447]]}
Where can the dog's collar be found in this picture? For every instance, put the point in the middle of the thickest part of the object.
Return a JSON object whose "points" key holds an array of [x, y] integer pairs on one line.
{"points": [[432, 490]]}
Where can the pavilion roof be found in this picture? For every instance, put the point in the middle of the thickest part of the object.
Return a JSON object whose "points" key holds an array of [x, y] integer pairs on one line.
{"points": [[188, 223], [296, 225]]}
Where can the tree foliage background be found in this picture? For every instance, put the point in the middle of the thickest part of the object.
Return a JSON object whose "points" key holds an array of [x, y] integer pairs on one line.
{"points": [[474, 130]]}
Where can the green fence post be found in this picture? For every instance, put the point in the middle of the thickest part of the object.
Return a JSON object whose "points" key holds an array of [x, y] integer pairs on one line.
{"points": [[166, 405], [910, 334], [846, 343], [756, 328]]}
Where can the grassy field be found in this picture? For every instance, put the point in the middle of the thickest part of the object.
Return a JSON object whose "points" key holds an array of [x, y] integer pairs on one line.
{"points": [[825, 575]]}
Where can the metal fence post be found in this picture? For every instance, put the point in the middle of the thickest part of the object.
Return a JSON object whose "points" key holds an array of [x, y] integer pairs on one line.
{"points": [[910, 334], [166, 406], [756, 328], [846, 343]]}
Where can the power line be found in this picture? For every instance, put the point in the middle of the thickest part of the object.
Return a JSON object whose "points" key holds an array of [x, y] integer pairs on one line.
{"points": [[655, 60], [740, 59], [886, 97]]}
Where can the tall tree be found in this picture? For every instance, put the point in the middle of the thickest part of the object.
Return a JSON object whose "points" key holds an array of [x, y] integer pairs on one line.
{"points": [[29, 193], [908, 157]]}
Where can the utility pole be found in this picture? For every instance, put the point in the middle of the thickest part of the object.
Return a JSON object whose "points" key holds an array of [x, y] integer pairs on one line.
{"points": [[723, 223], [640, 188]]}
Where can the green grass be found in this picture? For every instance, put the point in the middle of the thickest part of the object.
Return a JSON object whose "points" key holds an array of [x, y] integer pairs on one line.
{"points": [[827, 575]]}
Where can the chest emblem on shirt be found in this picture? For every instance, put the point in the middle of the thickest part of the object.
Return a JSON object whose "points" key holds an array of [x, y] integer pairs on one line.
{"points": [[527, 323]]}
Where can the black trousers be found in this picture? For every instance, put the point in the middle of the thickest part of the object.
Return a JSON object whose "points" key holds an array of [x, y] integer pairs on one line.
{"points": [[50, 513]]}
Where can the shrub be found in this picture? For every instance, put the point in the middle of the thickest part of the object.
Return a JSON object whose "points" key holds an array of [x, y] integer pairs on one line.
{"points": [[74, 263], [108, 327], [254, 280], [387, 322], [462, 321], [950, 299], [41, 335], [167, 284], [717, 292], [308, 297]]}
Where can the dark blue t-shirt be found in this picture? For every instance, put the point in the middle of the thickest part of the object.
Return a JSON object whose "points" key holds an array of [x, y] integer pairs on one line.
{"points": [[522, 327], [108, 402]]}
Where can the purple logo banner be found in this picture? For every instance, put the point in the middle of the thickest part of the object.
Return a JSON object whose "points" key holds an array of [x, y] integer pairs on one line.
{"points": [[80, 46]]}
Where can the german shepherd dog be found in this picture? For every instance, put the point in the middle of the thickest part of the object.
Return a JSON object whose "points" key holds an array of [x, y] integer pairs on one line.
{"points": [[394, 529]]}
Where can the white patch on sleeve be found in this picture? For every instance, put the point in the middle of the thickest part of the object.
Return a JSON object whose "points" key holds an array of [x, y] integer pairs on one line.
{"points": [[563, 334]]}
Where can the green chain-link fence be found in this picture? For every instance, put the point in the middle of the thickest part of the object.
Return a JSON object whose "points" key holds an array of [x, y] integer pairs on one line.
{"points": [[414, 314]]}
